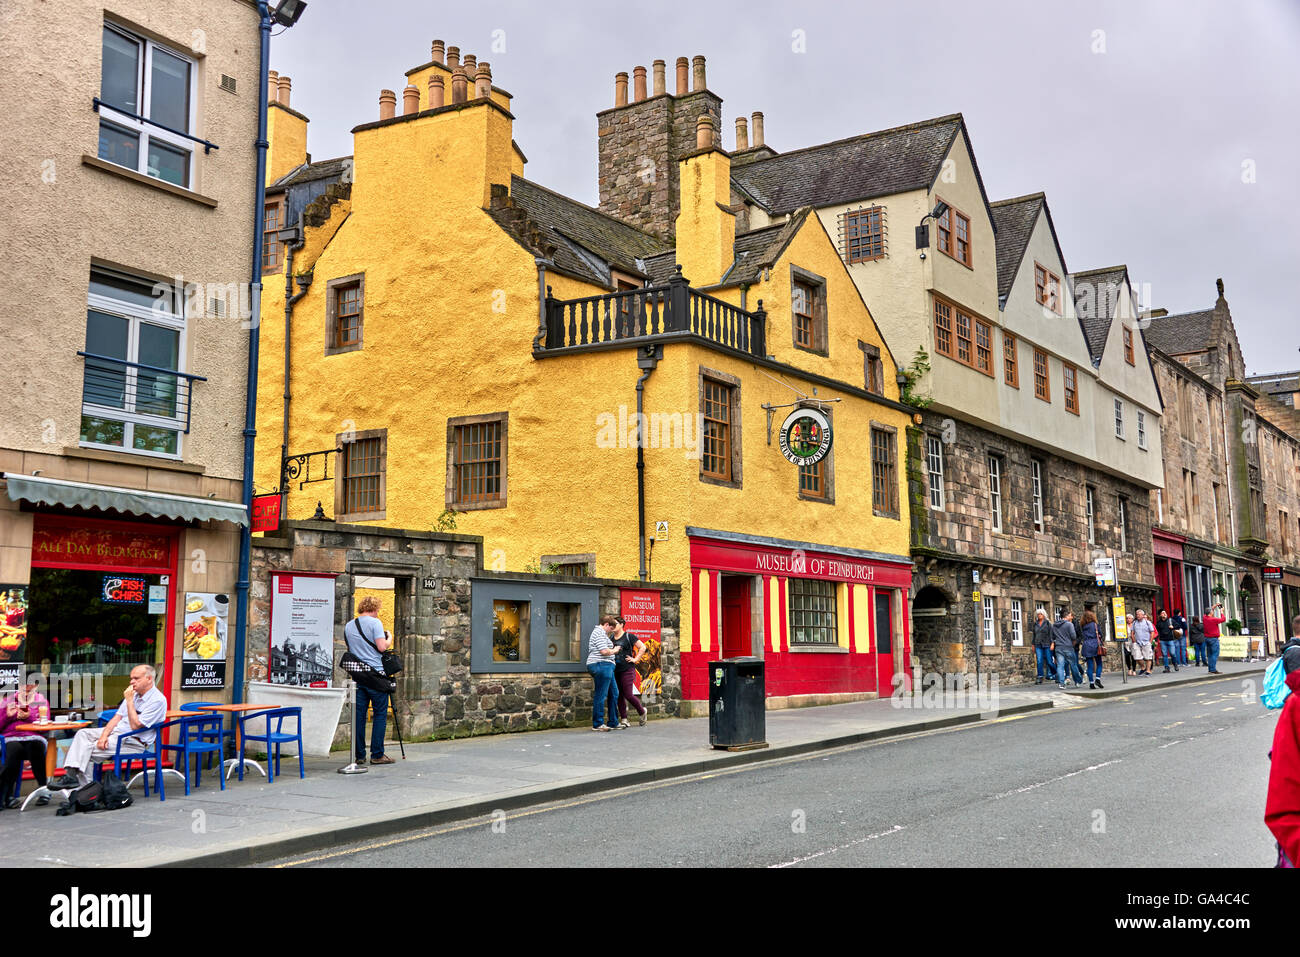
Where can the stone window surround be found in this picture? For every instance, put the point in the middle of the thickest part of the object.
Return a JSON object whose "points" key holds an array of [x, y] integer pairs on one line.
{"points": [[871, 362], [733, 427], [451, 500], [930, 473], [893, 513], [340, 477], [585, 558], [820, 321], [331, 313]]}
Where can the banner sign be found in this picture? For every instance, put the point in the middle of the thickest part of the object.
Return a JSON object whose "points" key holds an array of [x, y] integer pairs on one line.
{"points": [[60, 545], [748, 559], [1234, 646], [302, 630], [1121, 625], [13, 633], [203, 659], [641, 616]]}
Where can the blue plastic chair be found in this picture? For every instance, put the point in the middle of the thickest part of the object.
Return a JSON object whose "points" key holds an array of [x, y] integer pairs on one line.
{"points": [[276, 738], [129, 758], [223, 732], [105, 717], [199, 735]]}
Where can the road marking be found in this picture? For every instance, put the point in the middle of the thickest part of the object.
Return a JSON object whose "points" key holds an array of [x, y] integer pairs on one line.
{"points": [[862, 840], [1174, 725], [1172, 743], [1229, 708], [1040, 784]]}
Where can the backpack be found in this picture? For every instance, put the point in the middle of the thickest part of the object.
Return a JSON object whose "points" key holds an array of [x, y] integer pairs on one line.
{"points": [[108, 794], [1275, 687]]}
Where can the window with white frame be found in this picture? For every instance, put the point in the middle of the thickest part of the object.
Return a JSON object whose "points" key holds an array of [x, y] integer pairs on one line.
{"points": [[1092, 528], [1017, 623], [995, 491], [1123, 524], [136, 397], [147, 96], [1119, 418], [1142, 429], [934, 464], [990, 637], [1036, 467]]}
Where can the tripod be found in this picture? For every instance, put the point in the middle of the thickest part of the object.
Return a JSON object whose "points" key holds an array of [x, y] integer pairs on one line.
{"points": [[392, 703]]}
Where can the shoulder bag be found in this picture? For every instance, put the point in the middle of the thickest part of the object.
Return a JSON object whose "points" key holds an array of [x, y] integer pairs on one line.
{"points": [[391, 662]]}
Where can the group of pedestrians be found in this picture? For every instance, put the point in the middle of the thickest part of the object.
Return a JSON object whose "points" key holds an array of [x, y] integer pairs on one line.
{"points": [[612, 657], [1060, 646], [1173, 633]]}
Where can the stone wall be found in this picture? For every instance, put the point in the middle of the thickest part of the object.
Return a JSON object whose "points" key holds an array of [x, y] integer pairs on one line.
{"points": [[438, 696]]}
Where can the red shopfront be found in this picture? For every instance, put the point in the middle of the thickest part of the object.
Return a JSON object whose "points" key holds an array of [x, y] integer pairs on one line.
{"points": [[1168, 551], [101, 596], [826, 622]]}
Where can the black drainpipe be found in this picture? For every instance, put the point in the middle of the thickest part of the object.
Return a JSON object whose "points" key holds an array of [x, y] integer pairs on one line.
{"points": [[646, 359], [290, 298]]}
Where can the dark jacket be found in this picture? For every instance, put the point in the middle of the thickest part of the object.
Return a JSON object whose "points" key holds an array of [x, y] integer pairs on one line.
{"points": [[1164, 629], [1179, 622], [1091, 641], [1291, 656], [1063, 634], [1196, 633], [1042, 634]]}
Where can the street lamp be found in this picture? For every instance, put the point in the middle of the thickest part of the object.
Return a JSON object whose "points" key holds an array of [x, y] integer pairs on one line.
{"points": [[923, 231]]}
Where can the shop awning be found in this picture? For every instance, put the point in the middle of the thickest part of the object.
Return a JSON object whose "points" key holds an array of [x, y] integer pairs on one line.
{"points": [[39, 490]]}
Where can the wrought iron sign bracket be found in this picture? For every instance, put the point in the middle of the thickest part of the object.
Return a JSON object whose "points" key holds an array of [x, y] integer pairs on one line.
{"points": [[293, 466]]}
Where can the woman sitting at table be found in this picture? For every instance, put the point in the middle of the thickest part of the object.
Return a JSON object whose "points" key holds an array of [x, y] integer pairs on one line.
{"points": [[21, 707]]}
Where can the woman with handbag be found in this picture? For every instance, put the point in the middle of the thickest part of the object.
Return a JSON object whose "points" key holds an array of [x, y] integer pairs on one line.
{"points": [[629, 649], [21, 707], [1092, 648], [368, 641]]}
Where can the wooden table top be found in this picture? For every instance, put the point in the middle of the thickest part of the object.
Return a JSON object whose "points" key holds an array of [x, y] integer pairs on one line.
{"points": [[52, 726]]}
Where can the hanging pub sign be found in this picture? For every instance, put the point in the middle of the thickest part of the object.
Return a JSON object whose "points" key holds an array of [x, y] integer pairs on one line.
{"points": [[805, 436], [266, 513]]}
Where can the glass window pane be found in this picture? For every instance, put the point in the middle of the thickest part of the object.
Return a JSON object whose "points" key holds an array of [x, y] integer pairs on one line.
{"points": [[119, 78], [169, 93], [168, 164], [510, 621], [118, 145], [563, 631], [155, 440], [105, 382], [137, 292], [102, 431]]}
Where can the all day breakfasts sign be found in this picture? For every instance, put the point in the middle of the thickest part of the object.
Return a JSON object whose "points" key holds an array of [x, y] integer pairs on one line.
{"points": [[58, 545]]}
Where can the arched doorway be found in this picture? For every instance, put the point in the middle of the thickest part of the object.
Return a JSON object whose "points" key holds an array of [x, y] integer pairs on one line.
{"points": [[934, 633]]}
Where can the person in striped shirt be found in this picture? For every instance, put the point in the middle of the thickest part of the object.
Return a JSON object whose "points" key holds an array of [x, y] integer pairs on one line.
{"points": [[600, 665]]}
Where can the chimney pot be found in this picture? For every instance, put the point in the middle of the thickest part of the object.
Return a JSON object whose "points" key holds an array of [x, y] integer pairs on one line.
{"points": [[704, 132], [638, 84], [620, 89], [437, 93], [659, 67], [742, 133], [470, 62], [284, 85], [410, 100], [458, 84], [697, 81], [758, 130], [483, 80], [387, 104], [683, 66], [272, 86], [453, 58], [439, 51]]}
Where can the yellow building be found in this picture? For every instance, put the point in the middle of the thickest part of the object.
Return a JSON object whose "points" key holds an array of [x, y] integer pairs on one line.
{"points": [[485, 351]]}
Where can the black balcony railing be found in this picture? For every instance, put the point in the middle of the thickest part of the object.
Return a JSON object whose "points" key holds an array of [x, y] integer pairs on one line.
{"points": [[132, 387], [673, 308]]}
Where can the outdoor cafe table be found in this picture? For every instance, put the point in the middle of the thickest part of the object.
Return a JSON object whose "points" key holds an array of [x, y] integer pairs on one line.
{"points": [[49, 729], [235, 710]]}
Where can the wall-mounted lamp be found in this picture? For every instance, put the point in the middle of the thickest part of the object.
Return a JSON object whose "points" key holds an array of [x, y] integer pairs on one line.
{"points": [[287, 12], [923, 231]]}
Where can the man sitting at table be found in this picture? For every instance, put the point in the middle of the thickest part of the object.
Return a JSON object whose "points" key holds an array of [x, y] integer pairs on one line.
{"points": [[143, 706]]}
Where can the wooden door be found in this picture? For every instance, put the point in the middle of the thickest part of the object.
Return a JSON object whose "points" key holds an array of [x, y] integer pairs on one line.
{"points": [[884, 622], [735, 617]]}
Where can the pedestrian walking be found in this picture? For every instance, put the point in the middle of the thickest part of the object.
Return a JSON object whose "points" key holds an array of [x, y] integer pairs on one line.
{"points": [[1143, 635], [1063, 636], [1129, 661], [629, 649], [1211, 625], [1165, 633], [1043, 647], [1092, 648], [1282, 806], [600, 665]]}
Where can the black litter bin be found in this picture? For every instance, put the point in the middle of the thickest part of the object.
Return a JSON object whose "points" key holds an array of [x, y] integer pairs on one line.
{"points": [[736, 704]]}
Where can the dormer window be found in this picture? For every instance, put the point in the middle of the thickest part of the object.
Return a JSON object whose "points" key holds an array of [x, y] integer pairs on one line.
{"points": [[954, 235], [1047, 288]]}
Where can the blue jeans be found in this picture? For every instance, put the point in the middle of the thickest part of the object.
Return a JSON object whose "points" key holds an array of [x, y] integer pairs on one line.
{"points": [[604, 694], [379, 700], [1212, 649], [1169, 653], [1046, 666], [1064, 657], [1182, 651], [1094, 667], [1199, 650]]}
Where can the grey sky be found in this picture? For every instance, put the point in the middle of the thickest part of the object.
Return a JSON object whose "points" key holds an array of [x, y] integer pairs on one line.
{"points": [[1140, 148]]}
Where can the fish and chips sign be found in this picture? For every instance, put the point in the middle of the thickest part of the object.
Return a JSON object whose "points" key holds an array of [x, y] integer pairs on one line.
{"points": [[805, 436]]}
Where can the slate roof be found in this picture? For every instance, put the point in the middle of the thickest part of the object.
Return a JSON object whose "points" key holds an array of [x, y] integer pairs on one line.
{"points": [[587, 242], [307, 172], [1180, 334], [1014, 221], [1096, 298], [858, 168]]}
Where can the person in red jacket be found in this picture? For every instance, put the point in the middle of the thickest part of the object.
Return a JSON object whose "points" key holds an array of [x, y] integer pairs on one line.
{"points": [[1282, 808], [1211, 624]]}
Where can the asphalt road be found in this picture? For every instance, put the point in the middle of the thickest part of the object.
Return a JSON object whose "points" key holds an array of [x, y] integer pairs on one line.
{"points": [[1160, 779]]}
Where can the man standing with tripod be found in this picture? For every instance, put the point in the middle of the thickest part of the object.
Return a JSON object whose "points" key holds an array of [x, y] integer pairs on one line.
{"points": [[367, 639]]}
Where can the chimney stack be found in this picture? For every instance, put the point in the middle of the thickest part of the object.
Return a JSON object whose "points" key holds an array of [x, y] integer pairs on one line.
{"points": [[410, 100], [387, 104], [697, 81], [439, 51], [620, 89], [470, 63], [453, 58], [272, 86], [638, 84], [742, 134], [704, 132], [459, 82], [483, 80], [758, 130], [437, 94], [659, 67], [683, 65], [284, 85]]}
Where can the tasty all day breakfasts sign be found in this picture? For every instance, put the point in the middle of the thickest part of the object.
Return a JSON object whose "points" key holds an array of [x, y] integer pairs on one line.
{"points": [[97, 546]]}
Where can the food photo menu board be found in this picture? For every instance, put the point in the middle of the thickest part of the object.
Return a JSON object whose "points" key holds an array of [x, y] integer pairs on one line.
{"points": [[13, 633], [203, 659]]}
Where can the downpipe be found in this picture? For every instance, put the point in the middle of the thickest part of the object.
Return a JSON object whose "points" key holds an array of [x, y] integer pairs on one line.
{"points": [[647, 359]]}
